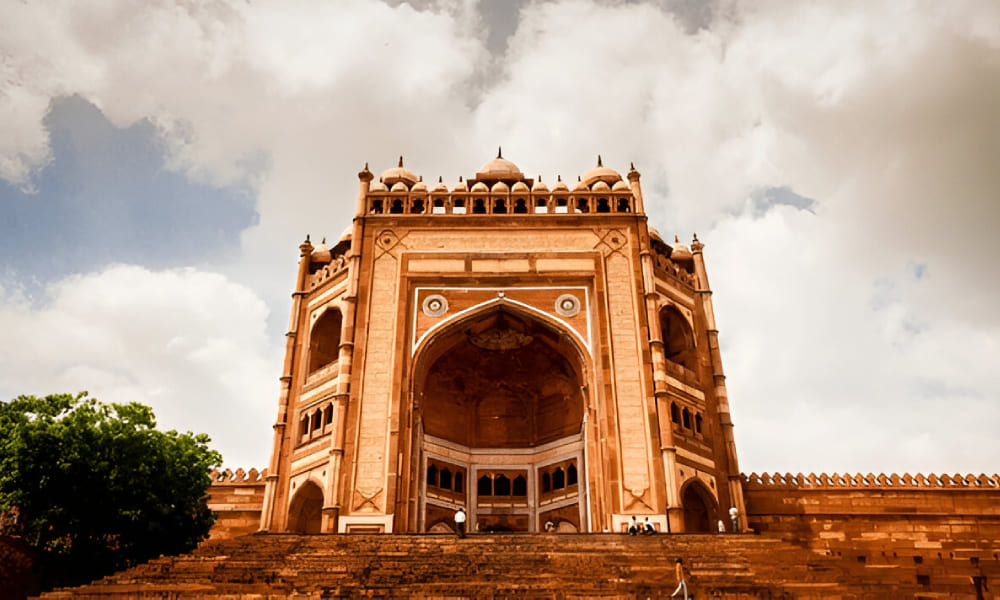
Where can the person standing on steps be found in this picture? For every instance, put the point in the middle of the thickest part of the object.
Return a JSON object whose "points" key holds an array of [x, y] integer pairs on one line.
{"points": [[460, 522], [681, 579]]}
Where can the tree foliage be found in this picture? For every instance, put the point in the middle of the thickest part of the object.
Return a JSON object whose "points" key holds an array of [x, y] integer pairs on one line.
{"points": [[94, 487]]}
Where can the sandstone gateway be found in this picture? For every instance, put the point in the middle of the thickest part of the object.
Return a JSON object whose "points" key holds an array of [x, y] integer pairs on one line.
{"points": [[534, 353], [528, 353]]}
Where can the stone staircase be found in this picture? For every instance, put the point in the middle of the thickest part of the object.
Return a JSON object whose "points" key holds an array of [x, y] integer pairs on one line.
{"points": [[549, 566]]}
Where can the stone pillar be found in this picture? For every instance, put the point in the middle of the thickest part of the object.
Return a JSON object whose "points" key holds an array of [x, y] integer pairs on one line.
{"points": [[333, 492], [272, 487], [675, 515], [719, 383]]}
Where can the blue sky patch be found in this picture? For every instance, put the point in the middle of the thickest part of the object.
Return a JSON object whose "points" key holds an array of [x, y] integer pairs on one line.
{"points": [[105, 196]]}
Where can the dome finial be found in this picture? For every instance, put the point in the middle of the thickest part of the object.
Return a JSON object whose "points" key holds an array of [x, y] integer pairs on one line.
{"points": [[599, 164], [400, 160], [499, 152]]}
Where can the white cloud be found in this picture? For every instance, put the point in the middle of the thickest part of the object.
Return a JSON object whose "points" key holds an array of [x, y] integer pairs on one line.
{"points": [[189, 343], [884, 114]]}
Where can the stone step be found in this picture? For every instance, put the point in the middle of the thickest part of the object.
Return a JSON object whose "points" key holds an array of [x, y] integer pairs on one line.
{"points": [[515, 565]]}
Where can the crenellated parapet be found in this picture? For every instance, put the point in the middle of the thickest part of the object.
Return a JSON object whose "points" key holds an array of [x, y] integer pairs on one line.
{"points": [[500, 188], [869, 481], [237, 477]]}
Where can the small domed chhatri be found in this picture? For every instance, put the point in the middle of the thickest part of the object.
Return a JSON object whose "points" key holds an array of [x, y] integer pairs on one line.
{"points": [[398, 174], [321, 253], [500, 168], [601, 173]]}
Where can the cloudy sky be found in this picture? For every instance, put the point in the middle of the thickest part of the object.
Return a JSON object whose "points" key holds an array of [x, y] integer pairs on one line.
{"points": [[160, 162]]}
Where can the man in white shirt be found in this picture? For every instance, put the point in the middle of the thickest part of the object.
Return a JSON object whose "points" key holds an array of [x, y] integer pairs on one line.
{"points": [[460, 522]]}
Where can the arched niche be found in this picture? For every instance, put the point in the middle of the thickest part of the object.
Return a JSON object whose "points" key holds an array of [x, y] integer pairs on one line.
{"points": [[699, 507], [306, 509], [677, 338], [501, 379], [324, 339]]}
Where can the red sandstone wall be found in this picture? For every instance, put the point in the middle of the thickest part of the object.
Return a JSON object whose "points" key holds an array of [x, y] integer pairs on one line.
{"points": [[933, 527], [237, 498]]}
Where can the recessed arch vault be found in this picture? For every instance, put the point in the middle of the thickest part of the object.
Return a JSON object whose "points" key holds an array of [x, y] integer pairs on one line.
{"points": [[500, 378]]}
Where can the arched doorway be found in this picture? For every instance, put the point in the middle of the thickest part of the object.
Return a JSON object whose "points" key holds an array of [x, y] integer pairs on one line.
{"points": [[501, 407], [305, 513], [699, 506]]}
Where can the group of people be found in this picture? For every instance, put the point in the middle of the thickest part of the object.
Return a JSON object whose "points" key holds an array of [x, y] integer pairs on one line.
{"points": [[644, 528]]}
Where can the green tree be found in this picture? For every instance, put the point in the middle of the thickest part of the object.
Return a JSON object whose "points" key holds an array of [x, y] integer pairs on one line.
{"points": [[94, 487]]}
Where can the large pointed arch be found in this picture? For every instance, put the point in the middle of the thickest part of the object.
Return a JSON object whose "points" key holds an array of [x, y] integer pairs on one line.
{"points": [[501, 377]]}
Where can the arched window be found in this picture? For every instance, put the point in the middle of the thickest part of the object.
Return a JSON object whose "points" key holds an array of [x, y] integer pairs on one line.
{"points": [[624, 205], [571, 475], [558, 478], [438, 207], [458, 207], [304, 426], [445, 479], [697, 423], [520, 486], [686, 415], [479, 207], [376, 207], [603, 206], [499, 206], [675, 413], [317, 420], [485, 486], [328, 415], [678, 342], [432, 475], [561, 205], [324, 340], [397, 207], [458, 482], [417, 207], [582, 205], [520, 207], [501, 485], [546, 482], [541, 206]]}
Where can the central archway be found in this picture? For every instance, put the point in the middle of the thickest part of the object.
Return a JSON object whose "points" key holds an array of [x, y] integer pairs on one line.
{"points": [[502, 408]]}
